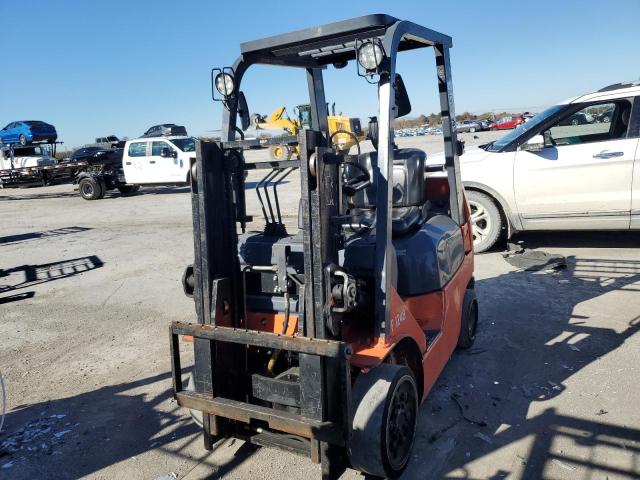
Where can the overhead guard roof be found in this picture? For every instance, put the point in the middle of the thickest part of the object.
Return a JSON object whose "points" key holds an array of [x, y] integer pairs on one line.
{"points": [[326, 44]]}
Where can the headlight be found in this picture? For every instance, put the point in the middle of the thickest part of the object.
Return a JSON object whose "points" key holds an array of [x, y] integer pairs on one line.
{"points": [[224, 84], [370, 55]]}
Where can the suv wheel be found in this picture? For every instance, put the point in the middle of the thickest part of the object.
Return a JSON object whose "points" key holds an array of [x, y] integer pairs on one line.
{"points": [[486, 222]]}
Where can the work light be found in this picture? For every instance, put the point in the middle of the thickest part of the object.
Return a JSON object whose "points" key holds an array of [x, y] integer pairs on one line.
{"points": [[224, 84], [370, 55]]}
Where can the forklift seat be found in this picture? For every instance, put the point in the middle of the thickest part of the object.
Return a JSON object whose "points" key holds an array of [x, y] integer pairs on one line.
{"points": [[409, 205]]}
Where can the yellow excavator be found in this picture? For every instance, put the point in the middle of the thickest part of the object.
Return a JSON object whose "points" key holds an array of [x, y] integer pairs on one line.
{"points": [[343, 129]]}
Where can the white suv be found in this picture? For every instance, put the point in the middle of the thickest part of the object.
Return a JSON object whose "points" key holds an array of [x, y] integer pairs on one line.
{"points": [[570, 167]]}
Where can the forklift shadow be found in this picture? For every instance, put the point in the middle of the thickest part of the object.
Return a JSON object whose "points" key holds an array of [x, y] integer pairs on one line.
{"points": [[15, 239], [78, 436], [486, 416], [29, 275]]}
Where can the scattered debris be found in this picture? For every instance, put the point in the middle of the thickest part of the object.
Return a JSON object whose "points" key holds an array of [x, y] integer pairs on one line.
{"points": [[554, 385], [439, 433], [563, 465], [535, 260], [602, 412], [527, 392], [7, 465], [574, 348], [168, 476], [480, 423], [514, 248], [483, 437], [40, 434], [154, 444]]}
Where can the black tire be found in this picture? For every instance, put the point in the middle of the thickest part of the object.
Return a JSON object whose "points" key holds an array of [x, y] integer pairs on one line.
{"points": [[128, 189], [385, 412], [90, 188], [103, 187], [472, 130], [23, 139], [575, 121], [486, 222], [469, 320]]}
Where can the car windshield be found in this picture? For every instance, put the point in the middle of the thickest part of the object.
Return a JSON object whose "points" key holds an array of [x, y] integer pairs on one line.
{"points": [[185, 144], [522, 128]]}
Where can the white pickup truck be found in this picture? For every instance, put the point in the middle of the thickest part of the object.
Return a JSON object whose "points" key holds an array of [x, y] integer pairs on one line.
{"points": [[30, 156], [143, 161]]}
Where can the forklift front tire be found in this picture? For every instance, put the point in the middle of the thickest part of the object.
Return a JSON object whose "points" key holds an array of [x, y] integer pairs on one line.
{"points": [[469, 321], [385, 412], [90, 189]]}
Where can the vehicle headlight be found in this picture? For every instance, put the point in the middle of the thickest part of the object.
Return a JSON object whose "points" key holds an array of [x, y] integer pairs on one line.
{"points": [[370, 55], [224, 84]]}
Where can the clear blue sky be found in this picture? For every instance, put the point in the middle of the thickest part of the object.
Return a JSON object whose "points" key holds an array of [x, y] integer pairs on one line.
{"points": [[95, 67]]}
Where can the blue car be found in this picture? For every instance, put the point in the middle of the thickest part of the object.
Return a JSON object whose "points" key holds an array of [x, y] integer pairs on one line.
{"points": [[28, 131]]}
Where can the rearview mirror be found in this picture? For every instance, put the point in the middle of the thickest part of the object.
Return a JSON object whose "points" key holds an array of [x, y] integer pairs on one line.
{"points": [[534, 144], [403, 104], [167, 152], [243, 111]]}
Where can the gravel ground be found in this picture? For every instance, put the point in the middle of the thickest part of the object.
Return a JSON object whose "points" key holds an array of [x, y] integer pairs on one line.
{"points": [[87, 290]]}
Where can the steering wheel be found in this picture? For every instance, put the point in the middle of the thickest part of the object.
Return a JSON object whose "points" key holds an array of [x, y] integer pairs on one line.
{"points": [[354, 183], [351, 134]]}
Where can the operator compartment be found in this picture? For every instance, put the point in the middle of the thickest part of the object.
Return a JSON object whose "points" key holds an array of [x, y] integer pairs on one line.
{"points": [[428, 244]]}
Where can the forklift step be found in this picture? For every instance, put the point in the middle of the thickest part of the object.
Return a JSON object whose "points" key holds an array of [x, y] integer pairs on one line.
{"points": [[277, 419]]}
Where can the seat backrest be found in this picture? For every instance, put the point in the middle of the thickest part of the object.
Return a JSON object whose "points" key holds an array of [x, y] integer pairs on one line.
{"points": [[408, 184]]}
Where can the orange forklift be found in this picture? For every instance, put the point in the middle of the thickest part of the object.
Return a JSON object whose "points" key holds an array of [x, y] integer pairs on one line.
{"points": [[325, 342]]}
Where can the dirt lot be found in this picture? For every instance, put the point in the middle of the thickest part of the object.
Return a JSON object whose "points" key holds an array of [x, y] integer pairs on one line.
{"points": [[87, 290]]}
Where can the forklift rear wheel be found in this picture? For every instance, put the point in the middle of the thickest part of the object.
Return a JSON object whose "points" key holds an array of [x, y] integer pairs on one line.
{"points": [[23, 139], [90, 189], [469, 321], [385, 413]]}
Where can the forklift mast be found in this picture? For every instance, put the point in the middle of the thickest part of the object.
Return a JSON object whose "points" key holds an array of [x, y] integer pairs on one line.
{"points": [[225, 382]]}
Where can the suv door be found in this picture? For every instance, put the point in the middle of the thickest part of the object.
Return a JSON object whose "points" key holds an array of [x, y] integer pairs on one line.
{"points": [[582, 178]]}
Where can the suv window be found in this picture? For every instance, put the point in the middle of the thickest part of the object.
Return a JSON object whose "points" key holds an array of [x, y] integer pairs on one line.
{"points": [[138, 149], [156, 148], [594, 123]]}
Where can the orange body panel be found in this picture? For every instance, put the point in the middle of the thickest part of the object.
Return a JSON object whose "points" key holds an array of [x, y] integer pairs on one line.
{"points": [[271, 322], [438, 313]]}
